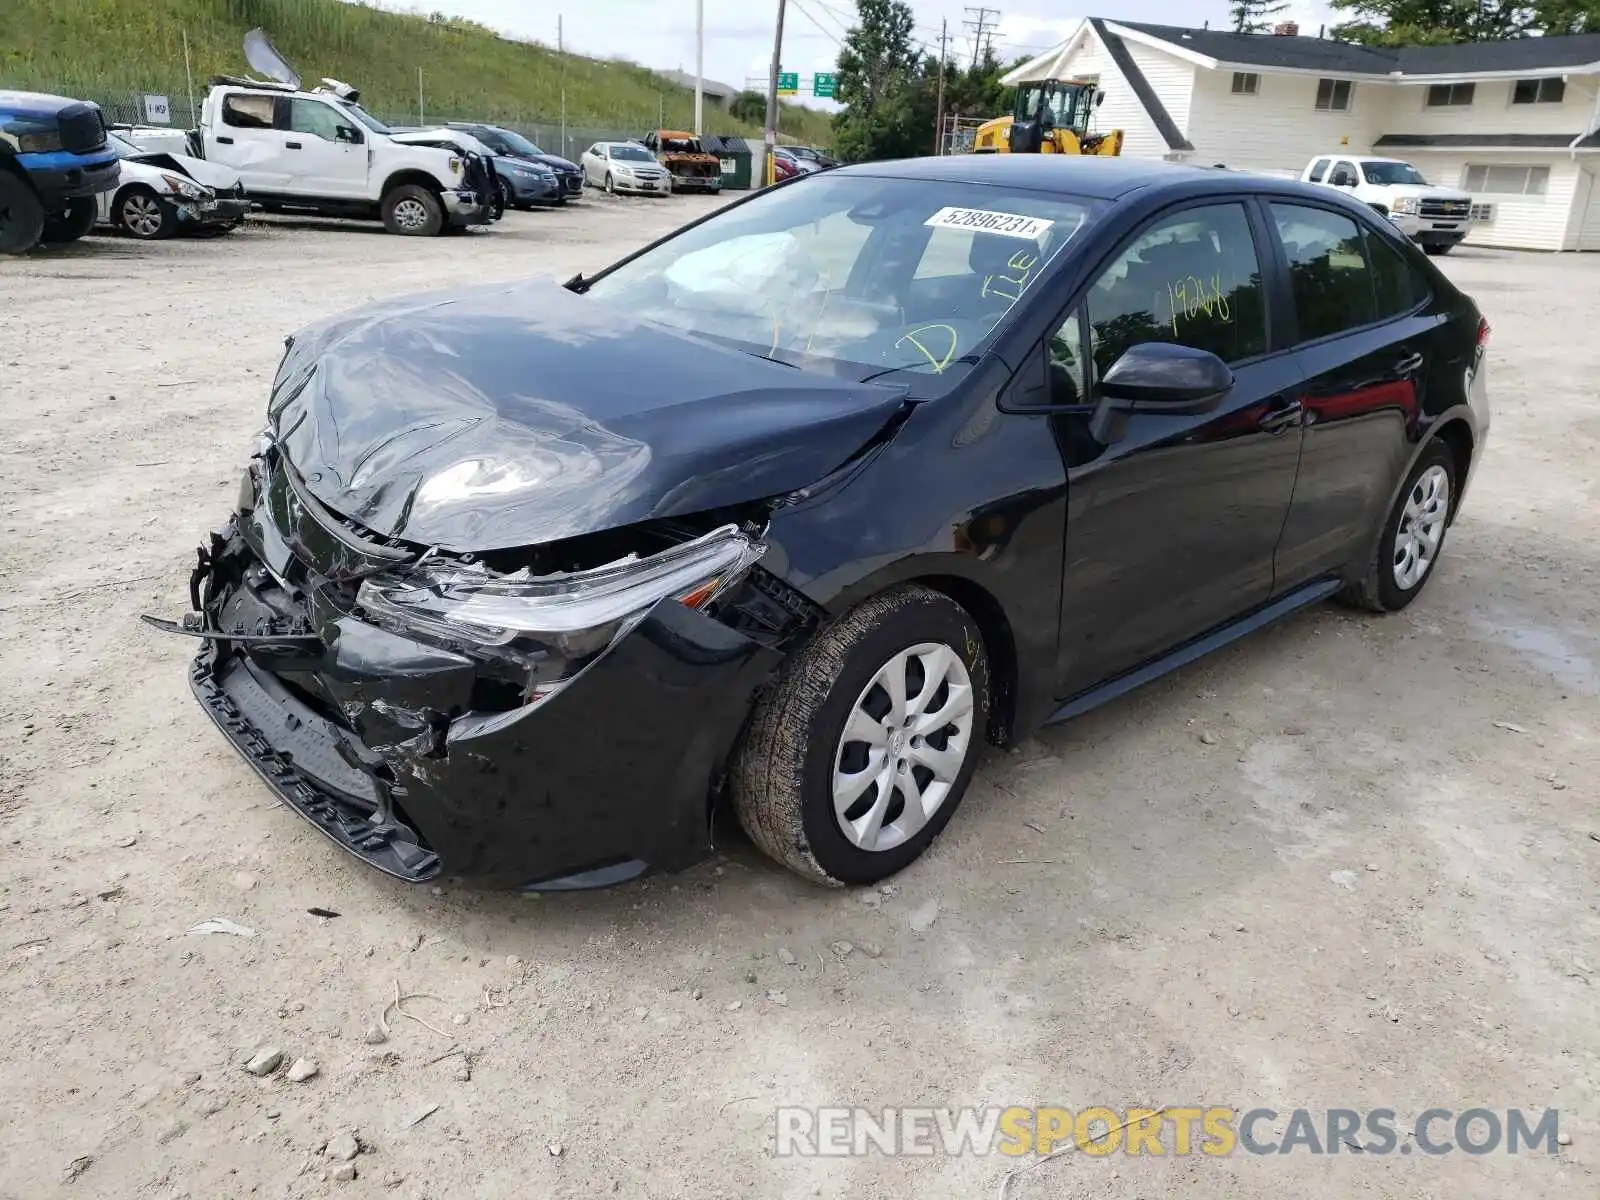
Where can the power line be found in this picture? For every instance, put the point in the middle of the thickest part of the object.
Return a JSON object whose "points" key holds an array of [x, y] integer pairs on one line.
{"points": [[806, 12], [982, 23]]}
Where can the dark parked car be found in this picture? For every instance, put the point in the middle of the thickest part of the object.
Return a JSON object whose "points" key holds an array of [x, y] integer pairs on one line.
{"points": [[512, 144], [793, 509]]}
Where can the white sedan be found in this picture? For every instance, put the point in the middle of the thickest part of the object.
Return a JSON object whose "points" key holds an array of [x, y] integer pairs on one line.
{"points": [[158, 194], [624, 167]]}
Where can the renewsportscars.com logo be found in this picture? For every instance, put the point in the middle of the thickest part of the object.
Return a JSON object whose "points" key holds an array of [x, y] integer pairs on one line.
{"points": [[1172, 1130]]}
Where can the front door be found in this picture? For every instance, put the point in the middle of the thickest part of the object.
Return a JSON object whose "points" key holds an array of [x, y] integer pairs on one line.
{"points": [[323, 151], [1172, 520]]}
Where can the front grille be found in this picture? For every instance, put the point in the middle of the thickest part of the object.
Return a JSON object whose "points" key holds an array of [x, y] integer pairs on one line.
{"points": [[82, 129], [1446, 208]]}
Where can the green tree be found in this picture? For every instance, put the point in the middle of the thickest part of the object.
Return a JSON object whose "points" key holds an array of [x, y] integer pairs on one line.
{"points": [[750, 107], [880, 83], [1432, 22], [1251, 16]]}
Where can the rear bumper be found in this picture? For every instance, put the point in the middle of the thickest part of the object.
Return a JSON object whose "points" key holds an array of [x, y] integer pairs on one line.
{"points": [[697, 183], [375, 739]]}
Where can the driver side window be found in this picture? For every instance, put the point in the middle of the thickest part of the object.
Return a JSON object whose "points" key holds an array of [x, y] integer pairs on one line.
{"points": [[318, 120], [1192, 278]]}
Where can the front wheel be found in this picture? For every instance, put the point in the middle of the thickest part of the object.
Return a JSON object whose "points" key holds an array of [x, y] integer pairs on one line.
{"points": [[412, 211], [21, 215], [143, 215], [1438, 248], [859, 755], [1412, 537], [72, 224], [611, 185]]}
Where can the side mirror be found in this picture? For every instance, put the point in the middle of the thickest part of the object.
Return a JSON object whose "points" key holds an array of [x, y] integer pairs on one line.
{"points": [[1160, 377], [1099, 97], [347, 134]]}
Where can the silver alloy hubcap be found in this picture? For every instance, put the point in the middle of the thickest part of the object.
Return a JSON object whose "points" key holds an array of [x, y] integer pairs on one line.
{"points": [[1416, 542], [903, 746], [142, 215], [410, 214]]}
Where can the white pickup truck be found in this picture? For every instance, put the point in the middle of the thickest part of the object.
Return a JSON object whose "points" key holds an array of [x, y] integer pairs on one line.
{"points": [[320, 151], [1436, 218]]}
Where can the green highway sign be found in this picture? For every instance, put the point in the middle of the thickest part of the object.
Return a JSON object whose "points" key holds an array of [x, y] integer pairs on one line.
{"points": [[788, 83], [822, 85]]}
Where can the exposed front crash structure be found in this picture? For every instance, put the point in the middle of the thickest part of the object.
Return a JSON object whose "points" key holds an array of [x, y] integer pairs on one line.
{"points": [[575, 756]]}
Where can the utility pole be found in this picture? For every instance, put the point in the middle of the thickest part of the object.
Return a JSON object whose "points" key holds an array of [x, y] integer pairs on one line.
{"points": [[982, 23], [421, 118], [938, 108], [699, 62], [770, 134], [560, 45]]}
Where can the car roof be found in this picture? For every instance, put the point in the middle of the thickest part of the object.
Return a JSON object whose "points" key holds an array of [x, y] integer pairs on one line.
{"points": [[1087, 175], [1073, 175]]}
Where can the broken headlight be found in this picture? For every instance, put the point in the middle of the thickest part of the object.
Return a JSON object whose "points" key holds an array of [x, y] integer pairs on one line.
{"points": [[548, 628]]}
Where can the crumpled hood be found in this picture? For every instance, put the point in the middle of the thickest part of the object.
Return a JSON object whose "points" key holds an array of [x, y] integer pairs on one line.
{"points": [[208, 174], [517, 414]]}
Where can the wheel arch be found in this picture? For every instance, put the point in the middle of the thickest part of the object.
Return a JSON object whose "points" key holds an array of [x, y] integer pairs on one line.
{"points": [[410, 175], [999, 648], [1457, 434], [11, 167]]}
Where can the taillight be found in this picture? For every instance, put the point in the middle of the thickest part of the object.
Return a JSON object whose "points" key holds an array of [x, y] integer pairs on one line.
{"points": [[1483, 333]]}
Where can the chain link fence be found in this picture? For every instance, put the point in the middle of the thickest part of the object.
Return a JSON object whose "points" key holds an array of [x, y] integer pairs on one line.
{"points": [[546, 130]]}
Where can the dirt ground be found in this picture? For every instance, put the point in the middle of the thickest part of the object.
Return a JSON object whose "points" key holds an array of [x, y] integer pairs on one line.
{"points": [[1349, 863]]}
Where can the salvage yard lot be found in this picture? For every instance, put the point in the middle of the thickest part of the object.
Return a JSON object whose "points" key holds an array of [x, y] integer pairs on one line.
{"points": [[1351, 862]]}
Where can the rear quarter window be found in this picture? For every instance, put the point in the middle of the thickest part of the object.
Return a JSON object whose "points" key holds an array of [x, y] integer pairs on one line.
{"points": [[1328, 271], [244, 111]]}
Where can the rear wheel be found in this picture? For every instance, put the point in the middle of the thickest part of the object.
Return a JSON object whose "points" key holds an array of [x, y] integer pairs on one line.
{"points": [[142, 213], [1412, 537], [21, 215], [859, 755], [72, 224], [412, 211]]}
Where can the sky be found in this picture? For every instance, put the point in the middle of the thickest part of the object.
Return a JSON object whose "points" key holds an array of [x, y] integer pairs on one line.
{"points": [[738, 33]]}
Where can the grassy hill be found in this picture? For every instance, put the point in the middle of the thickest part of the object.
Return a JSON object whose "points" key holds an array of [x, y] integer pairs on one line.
{"points": [[107, 49]]}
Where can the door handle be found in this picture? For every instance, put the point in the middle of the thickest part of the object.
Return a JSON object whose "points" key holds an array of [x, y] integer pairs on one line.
{"points": [[226, 141], [1408, 364], [1280, 419], [292, 145]]}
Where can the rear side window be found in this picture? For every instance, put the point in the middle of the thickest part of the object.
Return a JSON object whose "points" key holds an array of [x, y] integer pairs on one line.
{"points": [[1318, 170], [1328, 272], [247, 112], [1398, 286]]}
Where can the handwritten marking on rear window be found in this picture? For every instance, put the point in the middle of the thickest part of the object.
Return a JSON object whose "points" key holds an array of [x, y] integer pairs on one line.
{"points": [[938, 364], [983, 220], [1189, 296]]}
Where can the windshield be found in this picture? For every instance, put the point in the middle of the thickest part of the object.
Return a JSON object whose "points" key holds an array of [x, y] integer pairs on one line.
{"points": [[508, 141], [631, 154], [124, 149], [1384, 173], [853, 275], [1062, 105], [681, 146], [366, 118]]}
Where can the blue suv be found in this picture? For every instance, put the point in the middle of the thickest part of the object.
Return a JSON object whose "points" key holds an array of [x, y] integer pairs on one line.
{"points": [[54, 160]]}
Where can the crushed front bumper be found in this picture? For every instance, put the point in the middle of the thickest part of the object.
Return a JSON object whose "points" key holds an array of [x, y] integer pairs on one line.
{"points": [[207, 213], [463, 206], [402, 754]]}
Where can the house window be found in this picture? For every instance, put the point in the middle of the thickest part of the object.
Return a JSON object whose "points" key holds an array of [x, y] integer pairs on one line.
{"points": [[1506, 180], [1539, 91], [1246, 83], [1333, 95], [1450, 95]]}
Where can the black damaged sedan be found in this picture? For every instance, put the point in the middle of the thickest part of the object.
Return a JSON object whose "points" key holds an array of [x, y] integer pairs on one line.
{"points": [[793, 510]]}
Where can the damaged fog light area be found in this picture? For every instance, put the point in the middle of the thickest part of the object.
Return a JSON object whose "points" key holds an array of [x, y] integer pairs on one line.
{"points": [[544, 630]]}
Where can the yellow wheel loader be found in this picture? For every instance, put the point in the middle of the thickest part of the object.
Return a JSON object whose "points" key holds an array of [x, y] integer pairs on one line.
{"points": [[1051, 117]]}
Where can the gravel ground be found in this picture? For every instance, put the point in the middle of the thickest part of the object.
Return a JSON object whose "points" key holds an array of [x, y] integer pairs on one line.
{"points": [[1351, 862]]}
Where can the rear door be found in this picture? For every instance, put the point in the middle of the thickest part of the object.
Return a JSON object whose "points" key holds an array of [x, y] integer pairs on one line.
{"points": [[1172, 520], [243, 134], [1365, 342], [325, 153]]}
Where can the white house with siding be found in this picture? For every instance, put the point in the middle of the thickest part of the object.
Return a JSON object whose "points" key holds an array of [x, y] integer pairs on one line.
{"points": [[1517, 123]]}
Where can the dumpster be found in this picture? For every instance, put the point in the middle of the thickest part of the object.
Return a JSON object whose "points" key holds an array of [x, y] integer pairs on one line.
{"points": [[736, 158]]}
